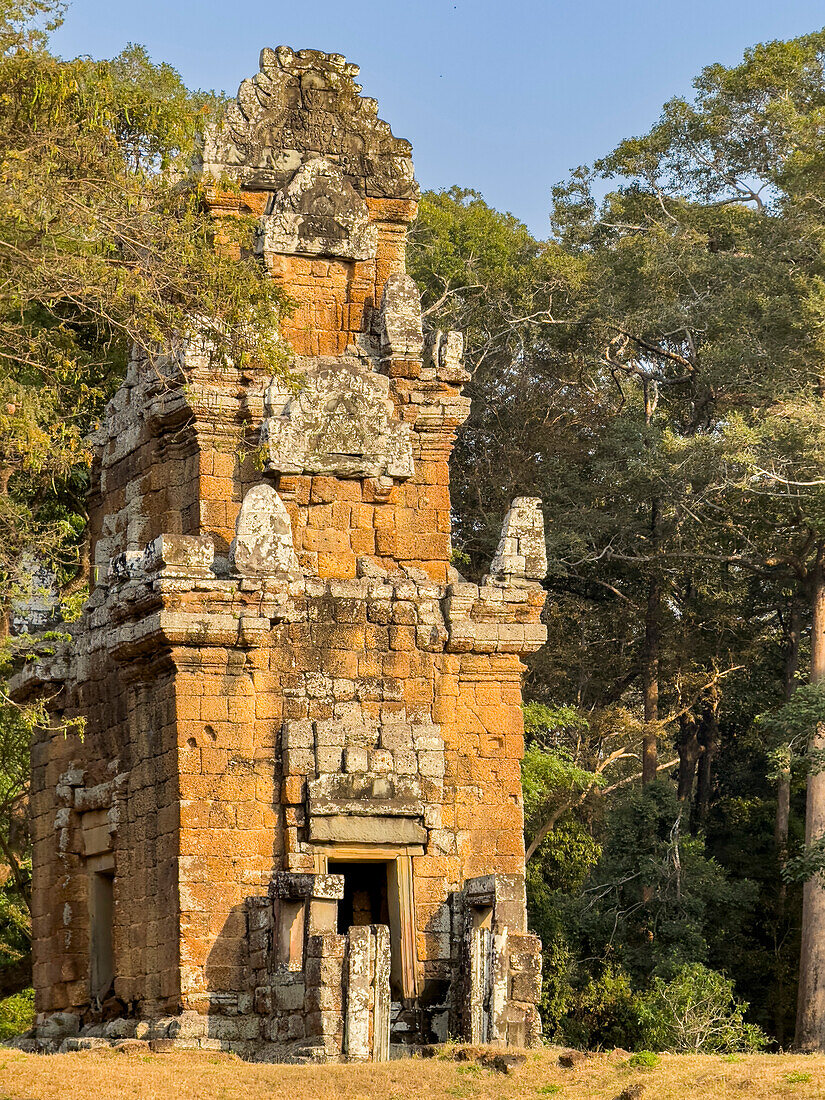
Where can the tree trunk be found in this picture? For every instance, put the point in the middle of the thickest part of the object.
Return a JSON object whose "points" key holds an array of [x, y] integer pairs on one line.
{"points": [[710, 747], [783, 815], [650, 680], [689, 752], [810, 1012], [793, 636], [783, 784]]}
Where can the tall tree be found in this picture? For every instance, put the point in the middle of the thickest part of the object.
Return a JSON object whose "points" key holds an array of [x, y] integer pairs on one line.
{"points": [[482, 272], [711, 258], [661, 388]]}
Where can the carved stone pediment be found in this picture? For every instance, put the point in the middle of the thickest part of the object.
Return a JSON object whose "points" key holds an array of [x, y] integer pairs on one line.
{"points": [[340, 423], [302, 105], [319, 214]]}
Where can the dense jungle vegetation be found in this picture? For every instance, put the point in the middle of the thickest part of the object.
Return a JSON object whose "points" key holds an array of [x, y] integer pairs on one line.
{"points": [[654, 371]]}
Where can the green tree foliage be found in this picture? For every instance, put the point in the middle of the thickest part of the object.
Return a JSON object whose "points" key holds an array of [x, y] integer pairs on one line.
{"points": [[105, 243], [698, 1012], [655, 899], [619, 913], [16, 726], [482, 272], [16, 1014], [658, 382], [713, 268]]}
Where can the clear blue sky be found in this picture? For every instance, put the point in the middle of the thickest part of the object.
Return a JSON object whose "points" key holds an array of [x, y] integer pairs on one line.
{"points": [[501, 95]]}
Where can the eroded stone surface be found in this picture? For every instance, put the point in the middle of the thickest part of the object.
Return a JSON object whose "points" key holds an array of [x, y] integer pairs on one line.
{"points": [[340, 423], [280, 672], [400, 318], [522, 551], [263, 536], [319, 214], [36, 597], [301, 104]]}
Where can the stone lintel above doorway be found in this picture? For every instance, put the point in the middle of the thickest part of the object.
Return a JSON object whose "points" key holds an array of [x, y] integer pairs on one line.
{"points": [[378, 829]]}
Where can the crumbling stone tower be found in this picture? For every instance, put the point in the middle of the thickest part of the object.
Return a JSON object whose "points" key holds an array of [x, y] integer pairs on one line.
{"points": [[293, 826]]}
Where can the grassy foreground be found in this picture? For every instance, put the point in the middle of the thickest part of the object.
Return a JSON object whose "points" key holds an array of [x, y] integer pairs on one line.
{"points": [[112, 1075]]}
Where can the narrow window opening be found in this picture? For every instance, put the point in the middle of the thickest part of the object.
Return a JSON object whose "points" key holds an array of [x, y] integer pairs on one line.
{"points": [[101, 922]]}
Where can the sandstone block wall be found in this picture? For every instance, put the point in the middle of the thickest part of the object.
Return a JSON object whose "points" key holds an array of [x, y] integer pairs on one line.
{"points": [[280, 670]]}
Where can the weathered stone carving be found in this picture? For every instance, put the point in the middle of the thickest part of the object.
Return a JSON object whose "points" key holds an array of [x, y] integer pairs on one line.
{"points": [[366, 809], [367, 1017], [37, 597], [367, 793], [263, 536], [400, 318], [184, 554], [298, 107], [443, 355], [340, 423], [522, 551], [319, 214], [502, 969]]}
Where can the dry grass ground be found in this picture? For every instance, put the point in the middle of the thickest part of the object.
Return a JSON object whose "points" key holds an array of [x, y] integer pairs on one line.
{"points": [[110, 1075]]}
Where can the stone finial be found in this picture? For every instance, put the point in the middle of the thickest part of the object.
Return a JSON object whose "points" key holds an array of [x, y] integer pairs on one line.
{"points": [[521, 550], [36, 601], [302, 105], [444, 356], [400, 319], [263, 536]]}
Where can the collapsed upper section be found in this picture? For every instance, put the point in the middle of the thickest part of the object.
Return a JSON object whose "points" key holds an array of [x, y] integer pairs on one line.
{"points": [[302, 107], [332, 188]]}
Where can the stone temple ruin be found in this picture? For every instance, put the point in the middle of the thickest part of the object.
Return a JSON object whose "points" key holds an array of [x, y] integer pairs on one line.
{"points": [[292, 827]]}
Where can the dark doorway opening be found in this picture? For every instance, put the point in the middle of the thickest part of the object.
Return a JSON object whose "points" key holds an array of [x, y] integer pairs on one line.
{"points": [[366, 897]]}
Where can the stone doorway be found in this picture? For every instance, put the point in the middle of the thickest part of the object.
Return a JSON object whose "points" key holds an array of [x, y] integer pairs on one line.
{"points": [[378, 889], [366, 898], [371, 957]]}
